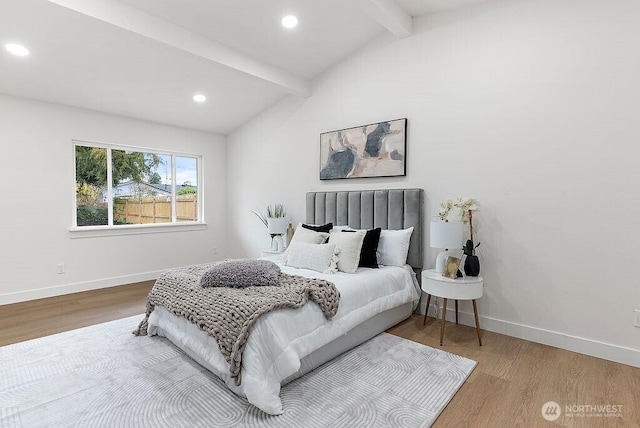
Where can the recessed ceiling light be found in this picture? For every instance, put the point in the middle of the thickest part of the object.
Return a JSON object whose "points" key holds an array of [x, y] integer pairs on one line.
{"points": [[199, 98], [289, 21], [16, 49]]}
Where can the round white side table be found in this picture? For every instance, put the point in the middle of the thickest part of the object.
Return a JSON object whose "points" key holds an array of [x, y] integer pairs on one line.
{"points": [[465, 288]]}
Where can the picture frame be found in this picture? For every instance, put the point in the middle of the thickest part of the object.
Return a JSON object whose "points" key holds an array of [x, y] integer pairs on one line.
{"points": [[451, 267], [374, 150]]}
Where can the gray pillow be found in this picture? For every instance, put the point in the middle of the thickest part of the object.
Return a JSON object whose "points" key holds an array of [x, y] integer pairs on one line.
{"points": [[241, 273]]}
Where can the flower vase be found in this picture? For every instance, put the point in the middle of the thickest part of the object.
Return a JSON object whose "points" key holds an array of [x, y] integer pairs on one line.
{"points": [[472, 266]]}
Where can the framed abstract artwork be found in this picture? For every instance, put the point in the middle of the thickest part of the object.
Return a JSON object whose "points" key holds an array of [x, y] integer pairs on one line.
{"points": [[375, 150]]}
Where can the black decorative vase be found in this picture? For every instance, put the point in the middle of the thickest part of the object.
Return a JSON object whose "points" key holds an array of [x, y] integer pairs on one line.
{"points": [[472, 266]]}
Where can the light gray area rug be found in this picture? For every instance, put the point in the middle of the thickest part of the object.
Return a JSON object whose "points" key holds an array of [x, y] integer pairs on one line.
{"points": [[103, 376]]}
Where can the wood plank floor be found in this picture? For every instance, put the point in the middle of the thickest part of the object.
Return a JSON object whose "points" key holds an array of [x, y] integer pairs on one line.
{"points": [[508, 387], [43, 317], [514, 378]]}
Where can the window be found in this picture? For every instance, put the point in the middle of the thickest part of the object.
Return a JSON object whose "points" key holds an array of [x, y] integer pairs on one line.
{"points": [[118, 187]]}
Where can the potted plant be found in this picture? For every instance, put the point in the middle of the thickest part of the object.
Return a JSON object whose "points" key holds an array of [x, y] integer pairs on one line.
{"points": [[276, 221], [471, 262], [466, 206]]}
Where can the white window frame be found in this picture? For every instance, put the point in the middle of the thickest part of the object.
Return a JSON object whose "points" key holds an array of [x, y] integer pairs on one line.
{"points": [[127, 229]]}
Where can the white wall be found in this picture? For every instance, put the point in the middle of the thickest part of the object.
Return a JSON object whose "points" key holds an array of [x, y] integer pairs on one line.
{"points": [[36, 172], [529, 106]]}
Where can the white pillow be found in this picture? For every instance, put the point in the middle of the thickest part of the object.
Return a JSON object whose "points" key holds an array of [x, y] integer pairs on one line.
{"points": [[319, 257], [394, 247], [306, 235], [349, 244]]}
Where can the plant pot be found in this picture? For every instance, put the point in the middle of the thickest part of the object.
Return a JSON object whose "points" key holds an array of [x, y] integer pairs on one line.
{"points": [[277, 225], [472, 266]]}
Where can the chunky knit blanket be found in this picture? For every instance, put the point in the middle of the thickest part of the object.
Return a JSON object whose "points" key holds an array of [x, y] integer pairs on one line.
{"points": [[228, 314]]}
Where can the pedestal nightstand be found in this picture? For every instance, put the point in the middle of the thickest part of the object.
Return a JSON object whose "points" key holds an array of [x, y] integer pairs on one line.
{"points": [[465, 288]]}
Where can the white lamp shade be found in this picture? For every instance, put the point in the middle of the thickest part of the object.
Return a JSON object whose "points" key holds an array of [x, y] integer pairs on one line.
{"points": [[446, 235], [277, 226]]}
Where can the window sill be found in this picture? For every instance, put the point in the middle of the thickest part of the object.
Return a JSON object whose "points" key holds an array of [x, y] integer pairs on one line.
{"points": [[138, 229]]}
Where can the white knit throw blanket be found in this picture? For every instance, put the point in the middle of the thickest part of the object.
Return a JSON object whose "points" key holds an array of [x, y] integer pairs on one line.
{"points": [[228, 314]]}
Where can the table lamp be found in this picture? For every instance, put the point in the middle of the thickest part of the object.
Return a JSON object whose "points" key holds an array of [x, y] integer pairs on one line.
{"points": [[446, 235]]}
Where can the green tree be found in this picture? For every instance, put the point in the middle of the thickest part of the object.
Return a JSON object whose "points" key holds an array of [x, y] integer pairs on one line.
{"points": [[155, 178], [91, 166]]}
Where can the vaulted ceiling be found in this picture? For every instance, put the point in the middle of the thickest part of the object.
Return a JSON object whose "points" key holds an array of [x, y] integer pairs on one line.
{"points": [[147, 58]]}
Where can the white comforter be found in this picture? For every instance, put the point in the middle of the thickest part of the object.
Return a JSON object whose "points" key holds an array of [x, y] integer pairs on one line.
{"points": [[280, 339]]}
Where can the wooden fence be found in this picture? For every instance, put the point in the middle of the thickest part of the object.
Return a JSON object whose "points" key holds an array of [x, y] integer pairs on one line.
{"points": [[155, 210]]}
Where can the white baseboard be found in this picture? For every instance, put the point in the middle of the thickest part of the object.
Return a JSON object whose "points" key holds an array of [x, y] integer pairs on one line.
{"points": [[581, 345], [59, 290]]}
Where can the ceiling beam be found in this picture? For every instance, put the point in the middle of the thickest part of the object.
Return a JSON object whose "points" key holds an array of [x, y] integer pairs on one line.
{"points": [[144, 24], [390, 15]]}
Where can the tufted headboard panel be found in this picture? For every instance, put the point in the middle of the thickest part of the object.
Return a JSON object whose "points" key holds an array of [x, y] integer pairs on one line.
{"points": [[366, 209]]}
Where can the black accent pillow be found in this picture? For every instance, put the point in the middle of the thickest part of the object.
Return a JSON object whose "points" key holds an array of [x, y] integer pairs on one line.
{"points": [[368, 256], [324, 228]]}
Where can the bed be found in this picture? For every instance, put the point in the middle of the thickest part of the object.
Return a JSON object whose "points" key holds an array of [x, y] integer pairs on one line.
{"points": [[287, 343]]}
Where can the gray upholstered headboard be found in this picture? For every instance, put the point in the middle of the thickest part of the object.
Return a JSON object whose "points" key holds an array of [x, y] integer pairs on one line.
{"points": [[366, 209]]}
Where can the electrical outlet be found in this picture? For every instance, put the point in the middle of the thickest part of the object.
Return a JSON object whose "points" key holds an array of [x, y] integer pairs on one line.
{"points": [[636, 314], [60, 268], [215, 250]]}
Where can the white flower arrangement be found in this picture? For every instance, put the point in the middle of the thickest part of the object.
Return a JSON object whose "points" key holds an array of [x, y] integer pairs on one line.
{"points": [[464, 205]]}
